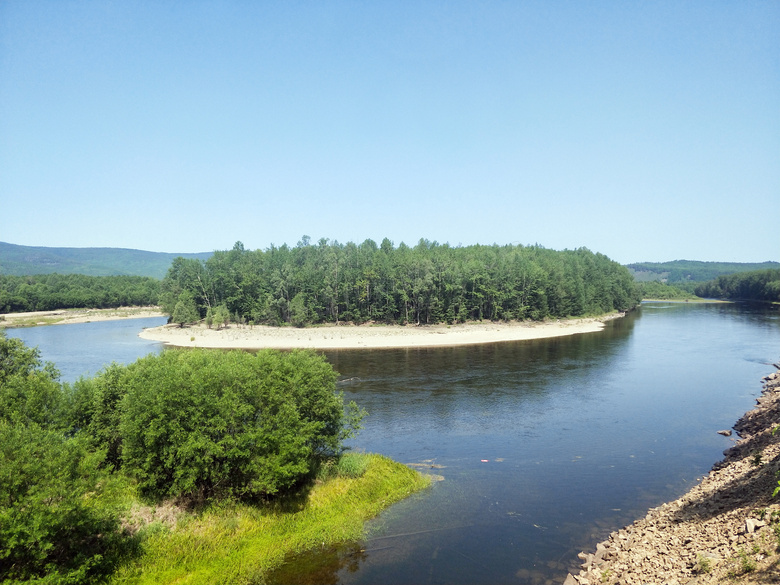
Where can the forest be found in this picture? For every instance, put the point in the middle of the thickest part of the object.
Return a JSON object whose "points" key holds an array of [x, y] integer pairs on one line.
{"points": [[48, 292], [329, 282], [759, 285]]}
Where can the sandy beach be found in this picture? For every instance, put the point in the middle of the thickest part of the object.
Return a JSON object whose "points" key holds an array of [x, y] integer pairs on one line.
{"points": [[66, 316], [367, 336]]}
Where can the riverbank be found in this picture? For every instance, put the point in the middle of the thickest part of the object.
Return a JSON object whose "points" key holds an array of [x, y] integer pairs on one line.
{"points": [[725, 529], [368, 336], [67, 316], [243, 543]]}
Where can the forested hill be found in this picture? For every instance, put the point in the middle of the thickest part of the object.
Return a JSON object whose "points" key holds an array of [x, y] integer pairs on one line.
{"points": [[27, 260], [682, 271], [428, 283]]}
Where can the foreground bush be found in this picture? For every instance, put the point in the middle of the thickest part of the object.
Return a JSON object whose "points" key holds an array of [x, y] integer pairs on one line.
{"points": [[202, 423], [59, 516]]}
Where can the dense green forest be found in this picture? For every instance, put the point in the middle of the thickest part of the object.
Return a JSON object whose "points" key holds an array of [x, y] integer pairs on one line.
{"points": [[759, 285], [27, 260], [691, 271], [198, 427], [429, 283], [67, 291]]}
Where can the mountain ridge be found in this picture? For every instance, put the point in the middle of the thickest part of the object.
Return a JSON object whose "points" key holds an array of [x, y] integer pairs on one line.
{"points": [[17, 260]]}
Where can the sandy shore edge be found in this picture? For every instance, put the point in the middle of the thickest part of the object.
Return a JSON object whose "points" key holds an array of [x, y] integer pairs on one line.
{"points": [[68, 316], [368, 336]]}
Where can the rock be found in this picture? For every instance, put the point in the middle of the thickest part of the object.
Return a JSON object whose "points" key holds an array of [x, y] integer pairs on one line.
{"points": [[570, 580], [725, 433], [751, 524]]}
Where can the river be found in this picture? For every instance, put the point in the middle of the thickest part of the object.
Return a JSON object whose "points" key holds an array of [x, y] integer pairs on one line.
{"points": [[544, 447]]}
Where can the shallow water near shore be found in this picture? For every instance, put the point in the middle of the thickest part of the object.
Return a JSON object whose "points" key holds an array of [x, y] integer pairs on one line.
{"points": [[545, 446]]}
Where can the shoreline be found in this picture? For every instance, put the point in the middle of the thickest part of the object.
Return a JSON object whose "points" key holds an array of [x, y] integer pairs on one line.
{"points": [[368, 336], [69, 316], [726, 528]]}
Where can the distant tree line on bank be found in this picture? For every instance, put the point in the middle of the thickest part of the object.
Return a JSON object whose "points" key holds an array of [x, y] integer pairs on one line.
{"points": [[429, 283], [685, 272], [47, 292], [663, 291], [759, 285]]}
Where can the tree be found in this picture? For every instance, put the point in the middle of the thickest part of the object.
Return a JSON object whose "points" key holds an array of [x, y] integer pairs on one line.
{"points": [[59, 518], [185, 310], [29, 388], [202, 424]]}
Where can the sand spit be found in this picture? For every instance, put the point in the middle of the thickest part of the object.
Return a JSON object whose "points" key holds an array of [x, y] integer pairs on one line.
{"points": [[726, 529], [67, 316], [367, 336]]}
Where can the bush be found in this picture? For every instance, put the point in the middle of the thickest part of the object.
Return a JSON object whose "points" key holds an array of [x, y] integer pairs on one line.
{"points": [[205, 423], [93, 409], [29, 391], [59, 521]]}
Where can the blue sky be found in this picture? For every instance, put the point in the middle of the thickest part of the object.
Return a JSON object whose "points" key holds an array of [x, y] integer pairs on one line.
{"points": [[648, 131]]}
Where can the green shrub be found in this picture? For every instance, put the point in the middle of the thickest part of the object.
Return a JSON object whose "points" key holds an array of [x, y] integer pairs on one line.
{"points": [[59, 517], [29, 391], [205, 423], [93, 407]]}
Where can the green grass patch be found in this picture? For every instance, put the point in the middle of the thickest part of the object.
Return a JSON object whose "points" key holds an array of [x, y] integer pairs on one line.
{"points": [[239, 543]]}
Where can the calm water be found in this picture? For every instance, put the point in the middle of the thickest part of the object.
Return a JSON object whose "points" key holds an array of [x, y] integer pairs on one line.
{"points": [[545, 446], [82, 349]]}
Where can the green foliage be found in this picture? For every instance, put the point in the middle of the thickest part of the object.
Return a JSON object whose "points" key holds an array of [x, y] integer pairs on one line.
{"points": [[202, 424], [663, 291], [761, 285], [692, 271], [94, 411], [347, 465], [185, 310], [59, 512], [430, 283], [29, 392], [238, 543], [58, 291]]}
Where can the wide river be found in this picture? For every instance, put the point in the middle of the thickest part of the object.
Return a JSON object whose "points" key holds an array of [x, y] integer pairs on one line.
{"points": [[544, 446]]}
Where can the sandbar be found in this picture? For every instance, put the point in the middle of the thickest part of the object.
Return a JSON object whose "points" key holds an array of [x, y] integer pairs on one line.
{"points": [[368, 336], [67, 316]]}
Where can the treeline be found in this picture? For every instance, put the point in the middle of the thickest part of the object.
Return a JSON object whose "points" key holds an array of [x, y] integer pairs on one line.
{"points": [[760, 285], [688, 271], [196, 427], [429, 283], [662, 291], [68, 291]]}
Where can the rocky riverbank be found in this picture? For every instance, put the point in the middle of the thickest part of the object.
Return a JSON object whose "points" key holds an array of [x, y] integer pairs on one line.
{"points": [[724, 530]]}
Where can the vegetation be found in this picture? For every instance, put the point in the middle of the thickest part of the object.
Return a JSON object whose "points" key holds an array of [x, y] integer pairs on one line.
{"points": [[238, 543], [760, 285], [67, 291], [662, 291], [242, 436], [28, 260], [430, 283], [200, 424], [680, 272]]}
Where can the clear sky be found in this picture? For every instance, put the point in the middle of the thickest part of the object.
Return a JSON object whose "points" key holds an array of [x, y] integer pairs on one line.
{"points": [[645, 130]]}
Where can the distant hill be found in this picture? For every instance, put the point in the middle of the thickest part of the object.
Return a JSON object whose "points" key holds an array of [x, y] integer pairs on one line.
{"points": [[25, 260], [689, 271]]}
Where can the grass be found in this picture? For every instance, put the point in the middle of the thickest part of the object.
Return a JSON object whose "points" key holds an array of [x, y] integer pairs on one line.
{"points": [[238, 543]]}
